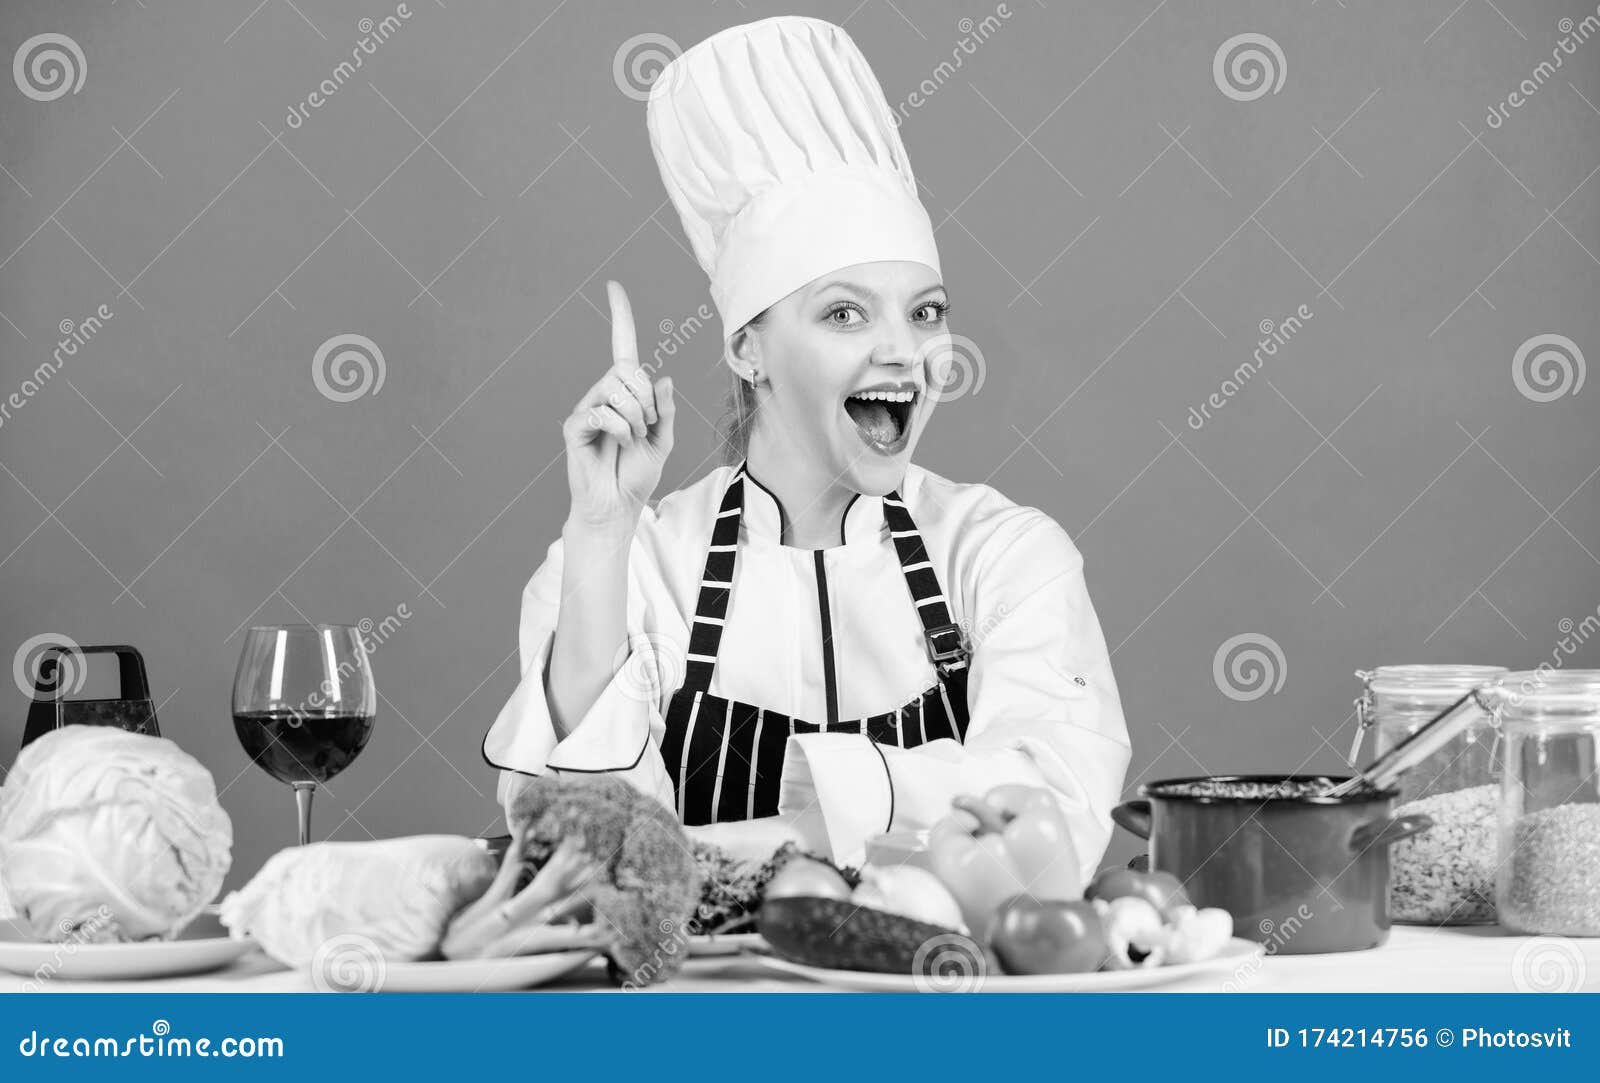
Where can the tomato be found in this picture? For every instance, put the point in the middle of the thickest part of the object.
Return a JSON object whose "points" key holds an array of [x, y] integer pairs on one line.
{"points": [[1032, 936], [1162, 890], [807, 877]]}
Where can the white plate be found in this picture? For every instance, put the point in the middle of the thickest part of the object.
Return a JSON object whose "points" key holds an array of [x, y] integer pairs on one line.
{"points": [[1234, 955], [203, 946], [723, 944], [479, 975]]}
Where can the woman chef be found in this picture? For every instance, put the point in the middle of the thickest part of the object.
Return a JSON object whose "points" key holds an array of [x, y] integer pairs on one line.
{"points": [[820, 641]]}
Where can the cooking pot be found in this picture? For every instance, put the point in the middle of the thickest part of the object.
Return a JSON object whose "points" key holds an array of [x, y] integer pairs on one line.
{"points": [[1301, 875]]}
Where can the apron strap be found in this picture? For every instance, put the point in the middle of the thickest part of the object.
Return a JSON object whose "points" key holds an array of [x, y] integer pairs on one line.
{"points": [[716, 586], [948, 649]]}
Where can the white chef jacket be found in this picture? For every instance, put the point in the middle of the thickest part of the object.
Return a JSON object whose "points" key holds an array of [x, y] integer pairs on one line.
{"points": [[1044, 708]]}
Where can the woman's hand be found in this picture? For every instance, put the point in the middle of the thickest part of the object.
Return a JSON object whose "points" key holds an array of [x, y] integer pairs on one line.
{"points": [[619, 435]]}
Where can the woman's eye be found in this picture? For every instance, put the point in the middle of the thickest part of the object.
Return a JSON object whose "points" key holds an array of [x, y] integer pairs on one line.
{"points": [[846, 310], [937, 309]]}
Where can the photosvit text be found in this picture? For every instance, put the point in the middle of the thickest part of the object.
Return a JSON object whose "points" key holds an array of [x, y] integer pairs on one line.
{"points": [[1416, 1038]]}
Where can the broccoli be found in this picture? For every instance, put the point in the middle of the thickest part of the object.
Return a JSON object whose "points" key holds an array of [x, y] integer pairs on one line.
{"points": [[614, 872]]}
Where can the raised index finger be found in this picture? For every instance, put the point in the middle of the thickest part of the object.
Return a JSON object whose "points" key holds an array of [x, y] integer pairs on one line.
{"points": [[624, 340]]}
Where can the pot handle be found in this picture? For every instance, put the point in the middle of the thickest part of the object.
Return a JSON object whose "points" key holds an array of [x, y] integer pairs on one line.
{"points": [[1133, 816], [1387, 832]]}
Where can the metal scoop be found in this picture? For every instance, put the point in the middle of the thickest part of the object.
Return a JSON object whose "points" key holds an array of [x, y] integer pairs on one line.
{"points": [[1430, 738]]}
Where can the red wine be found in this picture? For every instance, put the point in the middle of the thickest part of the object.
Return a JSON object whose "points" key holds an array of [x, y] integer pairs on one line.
{"points": [[295, 747]]}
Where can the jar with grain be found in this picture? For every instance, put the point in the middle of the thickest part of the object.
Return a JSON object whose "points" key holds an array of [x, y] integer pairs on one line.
{"points": [[1445, 876], [1549, 824]]}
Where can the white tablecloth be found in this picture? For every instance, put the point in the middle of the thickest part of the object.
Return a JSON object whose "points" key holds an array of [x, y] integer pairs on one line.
{"points": [[1455, 960]]}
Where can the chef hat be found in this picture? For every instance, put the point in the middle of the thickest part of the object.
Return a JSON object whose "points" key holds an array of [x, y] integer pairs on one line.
{"points": [[781, 155]]}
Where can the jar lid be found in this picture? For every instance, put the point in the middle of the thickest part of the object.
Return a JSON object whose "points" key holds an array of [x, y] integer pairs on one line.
{"points": [[1471, 707], [1537, 691], [1428, 678]]}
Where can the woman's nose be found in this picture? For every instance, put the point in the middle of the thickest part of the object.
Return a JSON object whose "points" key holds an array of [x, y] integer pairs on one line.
{"points": [[898, 348]]}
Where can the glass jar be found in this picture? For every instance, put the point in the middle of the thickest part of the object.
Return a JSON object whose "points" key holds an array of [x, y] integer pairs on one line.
{"points": [[1446, 875], [1549, 823]]}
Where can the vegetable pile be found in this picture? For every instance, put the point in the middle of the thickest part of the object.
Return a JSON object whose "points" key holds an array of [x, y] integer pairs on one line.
{"points": [[1006, 874]]}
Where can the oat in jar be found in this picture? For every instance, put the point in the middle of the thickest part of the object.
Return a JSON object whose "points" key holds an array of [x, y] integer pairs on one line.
{"points": [[1549, 822], [1445, 876]]}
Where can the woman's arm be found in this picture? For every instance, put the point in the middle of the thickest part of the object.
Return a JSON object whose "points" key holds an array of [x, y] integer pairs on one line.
{"points": [[617, 437], [592, 623], [567, 712]]}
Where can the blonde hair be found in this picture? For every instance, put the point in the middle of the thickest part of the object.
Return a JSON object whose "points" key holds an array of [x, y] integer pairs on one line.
{"points": [[739, 411]]}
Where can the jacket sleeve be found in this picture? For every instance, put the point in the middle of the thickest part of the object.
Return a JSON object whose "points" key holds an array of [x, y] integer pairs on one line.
{"points": [[1043, 706], [621, 732]]}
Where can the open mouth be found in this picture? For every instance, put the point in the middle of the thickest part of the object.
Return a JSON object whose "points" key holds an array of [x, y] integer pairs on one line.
{"points": [[882, 416]]}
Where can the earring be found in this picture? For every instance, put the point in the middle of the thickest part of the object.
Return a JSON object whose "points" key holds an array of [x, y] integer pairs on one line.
{"points": [[753, 377]]}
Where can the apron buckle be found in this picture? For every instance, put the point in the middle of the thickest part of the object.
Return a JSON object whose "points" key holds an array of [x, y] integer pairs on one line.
{"points": [[947, 647]]}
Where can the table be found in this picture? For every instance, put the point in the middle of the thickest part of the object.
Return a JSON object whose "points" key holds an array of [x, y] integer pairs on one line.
{"points": [[1416, 959]]}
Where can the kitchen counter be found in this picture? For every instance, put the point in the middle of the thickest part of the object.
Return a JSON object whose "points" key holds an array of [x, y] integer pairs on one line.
{"points": [[1465, 959]]}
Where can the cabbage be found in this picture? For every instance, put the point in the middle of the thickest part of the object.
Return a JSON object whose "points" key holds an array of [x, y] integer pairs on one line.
{"points": [[397, 893], [107, 835]]}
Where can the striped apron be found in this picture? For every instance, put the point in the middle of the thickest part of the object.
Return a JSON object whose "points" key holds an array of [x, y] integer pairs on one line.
{"points": [[725, 758]]}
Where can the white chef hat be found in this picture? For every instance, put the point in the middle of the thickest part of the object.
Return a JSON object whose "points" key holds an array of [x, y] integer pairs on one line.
{"points": [[781, 155]]}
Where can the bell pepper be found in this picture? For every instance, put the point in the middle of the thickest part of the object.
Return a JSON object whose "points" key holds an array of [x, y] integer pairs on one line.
{"points": [[1012, 840]]}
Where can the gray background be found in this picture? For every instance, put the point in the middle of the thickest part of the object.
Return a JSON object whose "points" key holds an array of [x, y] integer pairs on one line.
{"points": [[1113, 228]]}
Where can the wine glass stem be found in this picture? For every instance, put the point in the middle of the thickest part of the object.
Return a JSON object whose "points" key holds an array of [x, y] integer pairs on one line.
{"points": [[302, 804]]}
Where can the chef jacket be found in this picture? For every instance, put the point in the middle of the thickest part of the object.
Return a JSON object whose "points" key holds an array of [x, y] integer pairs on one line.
{"points": [[1043, 703]]}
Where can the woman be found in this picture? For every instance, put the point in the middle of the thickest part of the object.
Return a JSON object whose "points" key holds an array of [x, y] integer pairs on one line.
{"points": [[818, 641]]}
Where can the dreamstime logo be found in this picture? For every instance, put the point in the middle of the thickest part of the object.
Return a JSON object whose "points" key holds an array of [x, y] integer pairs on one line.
{"points": [[68, 675], [374, 634], [49, 66], [649, 666], [948, 963], [976, 633], [956, 368], [1274, 937], [348, 963], [1548, 367], [348, 366], [74, 934], [1249, 66], [675, 334], [1572, 35], [1249, 666], [640, 61], [1549, 964], [1273, 335], [373, 34], [675, 938], [973, 34], [1573, 635], [335, 689]]}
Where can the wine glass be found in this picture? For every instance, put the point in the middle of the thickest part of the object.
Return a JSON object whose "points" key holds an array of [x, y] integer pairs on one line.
{"points": [[303, 704]]}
